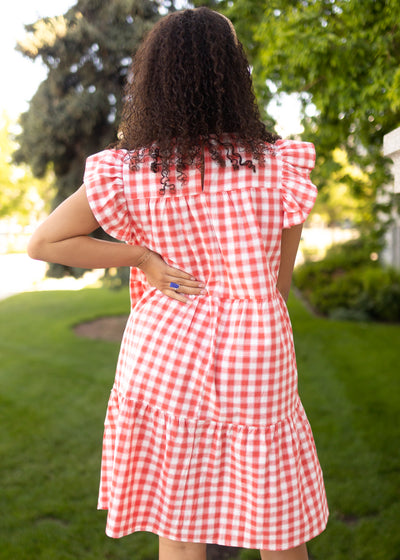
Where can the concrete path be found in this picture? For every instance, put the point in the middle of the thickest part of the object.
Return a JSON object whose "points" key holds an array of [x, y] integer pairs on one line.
{"points": [[19, 273]]}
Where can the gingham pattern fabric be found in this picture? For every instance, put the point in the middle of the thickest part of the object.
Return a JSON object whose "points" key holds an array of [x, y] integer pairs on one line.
{"points": [[206, 439]]}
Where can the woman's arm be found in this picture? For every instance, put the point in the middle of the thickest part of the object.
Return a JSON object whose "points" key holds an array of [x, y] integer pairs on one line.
{"points": [[64, 238], [289, 246]]}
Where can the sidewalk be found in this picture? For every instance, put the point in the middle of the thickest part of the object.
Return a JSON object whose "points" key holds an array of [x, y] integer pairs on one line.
{"points": [[19, 273]]}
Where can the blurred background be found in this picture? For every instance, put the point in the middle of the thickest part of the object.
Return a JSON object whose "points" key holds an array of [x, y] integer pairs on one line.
{"points": [[325, 71]]}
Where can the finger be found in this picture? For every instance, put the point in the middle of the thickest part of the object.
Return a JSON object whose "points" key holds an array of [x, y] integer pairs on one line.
{"points": [[190, 290], [176, 295], [178, 273], [182, 281], [187, 287]]}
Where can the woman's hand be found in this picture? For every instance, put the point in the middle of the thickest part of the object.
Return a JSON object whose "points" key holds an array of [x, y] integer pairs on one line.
{"points": [[160, 275]]}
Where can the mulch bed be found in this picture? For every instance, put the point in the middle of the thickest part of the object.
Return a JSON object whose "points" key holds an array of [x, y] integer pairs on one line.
{"points": [[105, 328]]}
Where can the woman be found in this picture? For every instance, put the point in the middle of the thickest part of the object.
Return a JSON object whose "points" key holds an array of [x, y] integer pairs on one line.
{"points": [[205, 438]]}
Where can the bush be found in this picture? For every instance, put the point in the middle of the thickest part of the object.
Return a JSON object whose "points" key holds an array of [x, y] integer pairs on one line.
{"points": [[348, 285], [116, 278], [339, 260]]}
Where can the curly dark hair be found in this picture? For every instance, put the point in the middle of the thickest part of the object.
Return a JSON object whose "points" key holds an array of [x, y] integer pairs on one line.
{"points": [[190, 86]]}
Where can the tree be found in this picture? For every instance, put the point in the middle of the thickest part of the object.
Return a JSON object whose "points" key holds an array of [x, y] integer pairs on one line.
{"points": [[335, 203], [343, 56], [75, 110], [22, 196]]}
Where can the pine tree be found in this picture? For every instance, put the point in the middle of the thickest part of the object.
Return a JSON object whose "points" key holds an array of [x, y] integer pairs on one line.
{"points": [[76, 109]]}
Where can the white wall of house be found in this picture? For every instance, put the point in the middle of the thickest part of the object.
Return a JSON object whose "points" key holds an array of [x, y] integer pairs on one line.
{"points": [[391, 149]]}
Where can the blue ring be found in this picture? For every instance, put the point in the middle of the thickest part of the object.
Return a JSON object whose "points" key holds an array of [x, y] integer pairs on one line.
{"points": [[174, 285]]}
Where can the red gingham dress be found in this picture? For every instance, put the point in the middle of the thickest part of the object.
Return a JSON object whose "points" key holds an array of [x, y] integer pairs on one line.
{"points": [[206, 439]]}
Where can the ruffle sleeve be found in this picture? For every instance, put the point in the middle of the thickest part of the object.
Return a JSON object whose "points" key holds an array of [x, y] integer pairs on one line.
{"points": [[103, 179], [298, 192]]}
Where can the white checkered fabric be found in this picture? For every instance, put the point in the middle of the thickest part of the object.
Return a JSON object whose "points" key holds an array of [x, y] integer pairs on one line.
{"points": [[206, 439]]}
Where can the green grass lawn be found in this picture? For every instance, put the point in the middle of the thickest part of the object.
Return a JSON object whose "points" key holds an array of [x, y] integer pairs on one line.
{"points": [[54, 388]]}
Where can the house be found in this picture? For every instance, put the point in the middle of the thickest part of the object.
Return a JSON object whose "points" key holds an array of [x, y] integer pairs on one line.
{"points": [[391, 149]]}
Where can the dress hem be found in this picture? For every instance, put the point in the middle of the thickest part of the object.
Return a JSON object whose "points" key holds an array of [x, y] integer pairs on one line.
{"points": [[205, 486], [246, 544]]}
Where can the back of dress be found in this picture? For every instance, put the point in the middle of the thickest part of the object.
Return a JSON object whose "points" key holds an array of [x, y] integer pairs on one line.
{"points": [[227, 235], [215, 378]]}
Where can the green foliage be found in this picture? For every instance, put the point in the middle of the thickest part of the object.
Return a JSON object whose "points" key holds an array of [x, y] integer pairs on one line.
{"points": [[337, 202], [21, 195], [116, 278], [75, 110], [338, 259], [347, 284], [343, 57]]}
